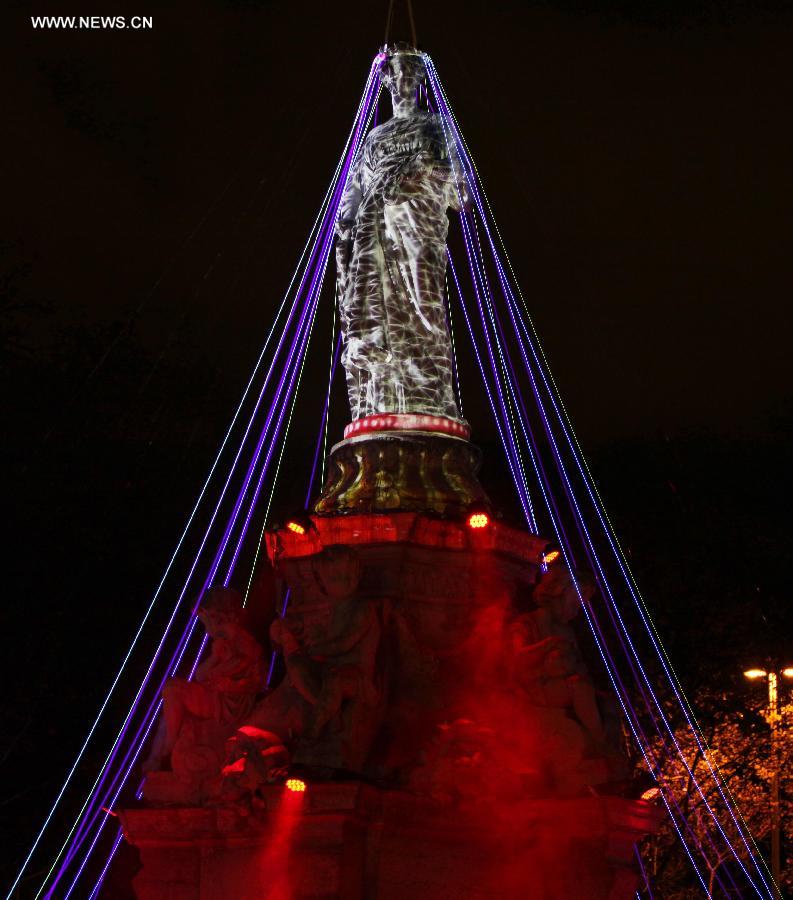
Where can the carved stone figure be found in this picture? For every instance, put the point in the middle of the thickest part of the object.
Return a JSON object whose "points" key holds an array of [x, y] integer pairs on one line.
{"points": [[391, 256], [554, 670], [325, 709], [198, 716]]}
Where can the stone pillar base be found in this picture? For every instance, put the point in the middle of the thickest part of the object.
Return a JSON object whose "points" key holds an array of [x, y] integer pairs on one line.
{"points": [[401, 471], [355, 842]]}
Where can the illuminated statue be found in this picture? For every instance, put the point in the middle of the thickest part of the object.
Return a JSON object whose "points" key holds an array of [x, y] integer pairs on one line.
{"points": [[391, 256]]}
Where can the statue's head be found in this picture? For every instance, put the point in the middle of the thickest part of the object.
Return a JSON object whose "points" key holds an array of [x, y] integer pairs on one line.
{"points": [[401, 70], [220, 606]]}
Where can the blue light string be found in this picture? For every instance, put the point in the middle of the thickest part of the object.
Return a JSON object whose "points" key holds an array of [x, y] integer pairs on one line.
{"points": [[493, 408], [479, 278], [104, 767], [368, 97], [606, 588], [302, 330], [513, 391], [540, 471], [155, 597], [301, 357], [725, 836], [692, 833], [643, 870], [287, 396], [569, 559]]}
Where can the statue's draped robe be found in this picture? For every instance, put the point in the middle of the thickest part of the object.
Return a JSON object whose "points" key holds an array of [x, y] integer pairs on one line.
{"points": [[391, 263]]}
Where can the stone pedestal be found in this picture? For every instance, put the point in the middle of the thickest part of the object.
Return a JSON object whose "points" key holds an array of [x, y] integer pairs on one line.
{"points": [[355, 842], [433, 697], [400, 471]]}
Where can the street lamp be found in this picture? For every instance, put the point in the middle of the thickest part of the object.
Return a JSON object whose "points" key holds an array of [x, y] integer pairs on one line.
{"points": [[773, 718]]}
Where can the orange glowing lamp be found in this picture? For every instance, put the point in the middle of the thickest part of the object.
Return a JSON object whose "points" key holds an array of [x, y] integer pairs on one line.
{"points": [[478, 520], [651, 793], [548, 558], [296, 785], [754, 674], [296, 527]]}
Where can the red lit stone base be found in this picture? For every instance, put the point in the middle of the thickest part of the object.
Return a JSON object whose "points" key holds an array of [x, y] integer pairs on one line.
{"points": [[355, 842]]}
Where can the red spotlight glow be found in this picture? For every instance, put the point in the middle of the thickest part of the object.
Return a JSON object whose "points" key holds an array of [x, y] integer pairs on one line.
{"points": [[295, 785], [548, 558], [651, 794], [478, 520], [296, 527]]}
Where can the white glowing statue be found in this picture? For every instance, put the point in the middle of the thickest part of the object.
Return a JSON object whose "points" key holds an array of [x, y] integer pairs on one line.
{"points": [[391, 256]]}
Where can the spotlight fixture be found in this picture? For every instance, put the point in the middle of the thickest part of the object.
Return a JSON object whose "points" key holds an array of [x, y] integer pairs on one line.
{"points": [[644, 787], [478, 516], [296, 785], [550, 556], [300, 524]]}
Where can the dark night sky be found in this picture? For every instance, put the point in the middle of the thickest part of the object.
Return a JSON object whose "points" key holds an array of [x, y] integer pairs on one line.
{"points": [[637, 155], [638, 159]]}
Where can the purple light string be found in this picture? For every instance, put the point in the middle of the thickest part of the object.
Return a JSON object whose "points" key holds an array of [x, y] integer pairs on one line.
{"points": [[136, 702], [479, 278], [116, 843], [366, 105], [156, 704], [159, 588], [493, 408], [643, 870], [154, 708], [498, 262], [89, 821], [329, 219], [480, 289], [107, 815], [315, 291], [325, 411], [564, 544], [601, 580], [605, 587], [469, 228], [510, 446], [317, 452], [304, 343], [472, 179], [569, 557], [687, 829]]}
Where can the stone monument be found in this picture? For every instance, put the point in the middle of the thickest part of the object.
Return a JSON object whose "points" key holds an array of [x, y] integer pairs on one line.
{"points": [[432, 712]]}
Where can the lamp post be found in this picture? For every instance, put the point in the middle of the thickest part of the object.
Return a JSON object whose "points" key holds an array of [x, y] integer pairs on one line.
{"points": [[773, 718]]}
